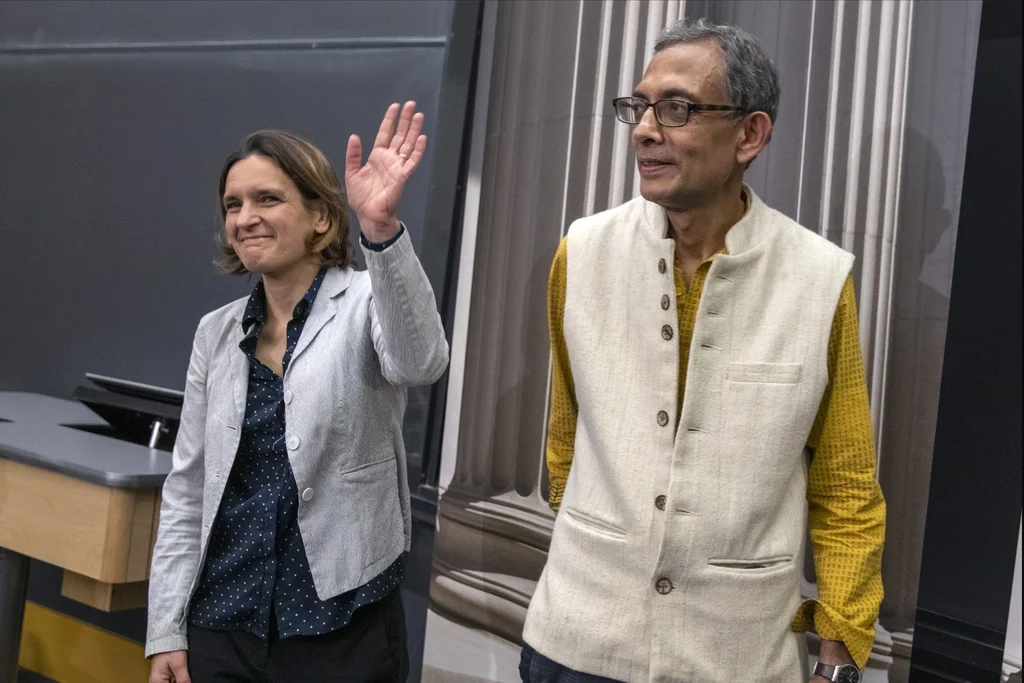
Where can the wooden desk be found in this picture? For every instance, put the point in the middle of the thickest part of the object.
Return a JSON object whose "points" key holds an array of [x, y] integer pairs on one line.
{"points": [[81, 501]]}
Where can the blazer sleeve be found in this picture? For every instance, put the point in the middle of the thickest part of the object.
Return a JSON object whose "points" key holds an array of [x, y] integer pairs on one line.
{"points": [[407, 331], [176, 553]]}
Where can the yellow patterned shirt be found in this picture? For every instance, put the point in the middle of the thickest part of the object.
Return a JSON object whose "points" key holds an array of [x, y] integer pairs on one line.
{"points": [[846, 508]]}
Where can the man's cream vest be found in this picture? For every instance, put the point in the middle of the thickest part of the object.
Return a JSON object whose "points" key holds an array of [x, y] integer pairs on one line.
{"points": [[675, 555]]}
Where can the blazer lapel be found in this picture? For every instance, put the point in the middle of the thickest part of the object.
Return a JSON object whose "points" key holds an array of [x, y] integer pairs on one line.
{"points": [[324, 309], [239, 371]]}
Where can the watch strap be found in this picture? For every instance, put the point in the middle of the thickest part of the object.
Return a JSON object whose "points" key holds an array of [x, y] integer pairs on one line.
{"points": [[826, 670]]}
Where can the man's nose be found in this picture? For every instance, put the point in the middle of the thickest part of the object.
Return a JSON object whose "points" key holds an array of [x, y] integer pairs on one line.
{"points": [[648, 128]]}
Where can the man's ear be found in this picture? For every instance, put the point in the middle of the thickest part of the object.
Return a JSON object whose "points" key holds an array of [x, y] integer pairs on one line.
{"points": [[755, 132]]}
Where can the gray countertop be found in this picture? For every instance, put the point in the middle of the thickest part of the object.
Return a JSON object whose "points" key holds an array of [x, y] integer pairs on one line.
{"points": [[36, 434]]}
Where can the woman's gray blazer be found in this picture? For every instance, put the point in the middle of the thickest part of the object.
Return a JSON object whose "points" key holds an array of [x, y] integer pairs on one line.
{"points": [[369, 335]]}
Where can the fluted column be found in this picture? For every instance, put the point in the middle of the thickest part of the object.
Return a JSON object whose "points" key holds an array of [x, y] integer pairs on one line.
{"points": [[552, 152], [493, 524], [867, 150], [858, 158]]}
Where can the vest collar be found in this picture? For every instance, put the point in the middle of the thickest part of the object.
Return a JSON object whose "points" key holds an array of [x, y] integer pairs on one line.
{"points": [[746, 235]]}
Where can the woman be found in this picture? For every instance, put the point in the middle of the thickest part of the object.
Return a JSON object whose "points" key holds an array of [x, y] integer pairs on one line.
{"points": [[286, 512]]}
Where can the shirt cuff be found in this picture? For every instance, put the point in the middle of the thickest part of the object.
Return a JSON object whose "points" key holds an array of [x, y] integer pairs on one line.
{"points": [[555, 490], [381, 246], [830, 625]]}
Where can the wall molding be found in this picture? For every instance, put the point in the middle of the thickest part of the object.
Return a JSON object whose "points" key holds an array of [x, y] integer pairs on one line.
{"points": [[226, 45]]}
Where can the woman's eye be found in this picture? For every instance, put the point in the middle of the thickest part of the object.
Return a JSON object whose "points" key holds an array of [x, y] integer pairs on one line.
{"points": [[268, 199]]}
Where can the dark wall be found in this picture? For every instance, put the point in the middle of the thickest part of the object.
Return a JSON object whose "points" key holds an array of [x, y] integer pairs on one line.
{"points": [[974, 503], [115, 118]]}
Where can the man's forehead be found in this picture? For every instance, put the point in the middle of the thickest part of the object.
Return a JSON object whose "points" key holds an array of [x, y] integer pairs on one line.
{"points": [[690, 71]]}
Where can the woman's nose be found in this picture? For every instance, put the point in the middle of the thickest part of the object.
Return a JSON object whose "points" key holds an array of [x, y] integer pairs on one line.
{"points": [[247, 215]]}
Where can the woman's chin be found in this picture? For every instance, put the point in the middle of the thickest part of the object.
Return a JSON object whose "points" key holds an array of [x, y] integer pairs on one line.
{"points": [[263, 263], [256, 265]]}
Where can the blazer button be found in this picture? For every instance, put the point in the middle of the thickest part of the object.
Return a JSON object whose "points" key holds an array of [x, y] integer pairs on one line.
{"points": [[666, 332], [661, 266], [307, 495], [665, 302], [659, 502], [662, 418], [663, 586], [294, 442], [288, 396]]}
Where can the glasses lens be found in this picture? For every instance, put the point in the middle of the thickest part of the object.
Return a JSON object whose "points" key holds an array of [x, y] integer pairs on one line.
{"points": [[672, 112], [630, 110]]}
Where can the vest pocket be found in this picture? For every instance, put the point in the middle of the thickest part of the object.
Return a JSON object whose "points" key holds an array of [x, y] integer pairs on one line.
{"points": [[594, 524], [770, 373], [751, 566]]}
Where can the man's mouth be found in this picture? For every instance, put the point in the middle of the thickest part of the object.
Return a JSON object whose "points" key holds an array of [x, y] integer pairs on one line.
{"points": [[651, 165]]}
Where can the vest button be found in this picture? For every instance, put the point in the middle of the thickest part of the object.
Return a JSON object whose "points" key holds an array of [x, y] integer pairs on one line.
{"points": [[663, 586], [661, 266], [665, 302], [662, 418], [666, 332], [659, 502]]}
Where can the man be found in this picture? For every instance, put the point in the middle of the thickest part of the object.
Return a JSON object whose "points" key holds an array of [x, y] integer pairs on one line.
{"points": [[708, 384]]}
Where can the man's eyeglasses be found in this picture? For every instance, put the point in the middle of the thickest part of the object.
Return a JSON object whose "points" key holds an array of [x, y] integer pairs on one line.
{"points": [[669, 113]]}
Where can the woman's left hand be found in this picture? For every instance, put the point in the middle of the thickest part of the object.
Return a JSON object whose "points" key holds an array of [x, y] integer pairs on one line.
{"points": [[375, 188]]}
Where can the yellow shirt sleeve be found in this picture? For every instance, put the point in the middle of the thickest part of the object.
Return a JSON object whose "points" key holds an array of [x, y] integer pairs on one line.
{"points": [[846, 508], [564, 409]]}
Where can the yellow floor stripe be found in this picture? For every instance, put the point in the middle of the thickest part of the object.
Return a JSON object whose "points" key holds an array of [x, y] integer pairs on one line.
{"points": [[71, 651]]}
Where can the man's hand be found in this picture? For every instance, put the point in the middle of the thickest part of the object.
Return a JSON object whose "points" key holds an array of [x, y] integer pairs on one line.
{"points": [[170, 667], [832, 652]]}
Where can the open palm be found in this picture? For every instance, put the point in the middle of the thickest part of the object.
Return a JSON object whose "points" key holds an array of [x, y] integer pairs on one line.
{"points": [[374, 188]]}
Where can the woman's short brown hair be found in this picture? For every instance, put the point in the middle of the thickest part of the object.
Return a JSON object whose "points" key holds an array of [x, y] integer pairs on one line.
{"points": [[318, 184]]}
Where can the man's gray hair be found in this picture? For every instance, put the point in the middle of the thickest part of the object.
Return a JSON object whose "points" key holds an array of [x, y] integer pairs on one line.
{"points": [[751, 81]]}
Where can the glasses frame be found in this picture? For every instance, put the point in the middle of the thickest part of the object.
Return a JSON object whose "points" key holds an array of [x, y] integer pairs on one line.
{"points": [[690, 108]]}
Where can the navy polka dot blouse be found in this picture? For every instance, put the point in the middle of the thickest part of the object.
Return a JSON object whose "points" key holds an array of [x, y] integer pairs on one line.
{"points": [[256, 577]]}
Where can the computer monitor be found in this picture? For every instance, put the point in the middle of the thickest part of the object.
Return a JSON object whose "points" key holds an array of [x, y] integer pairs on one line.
{"points": [[136, 389], [137, 412]]}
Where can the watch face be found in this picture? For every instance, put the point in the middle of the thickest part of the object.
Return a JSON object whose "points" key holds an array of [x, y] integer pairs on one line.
{"points": [[847, 674]]}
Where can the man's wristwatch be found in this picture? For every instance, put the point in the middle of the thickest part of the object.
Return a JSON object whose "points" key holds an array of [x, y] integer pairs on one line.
{"points": [[843, 673]]}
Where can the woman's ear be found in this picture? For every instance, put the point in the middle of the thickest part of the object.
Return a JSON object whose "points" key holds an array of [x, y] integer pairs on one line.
{"points": [[321, 219]]}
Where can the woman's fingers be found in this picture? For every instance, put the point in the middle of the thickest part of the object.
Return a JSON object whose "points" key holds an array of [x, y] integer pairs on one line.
{"points": [[404, 121], [412, 136], [385, 133], [353, 156], [417, 155]]}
